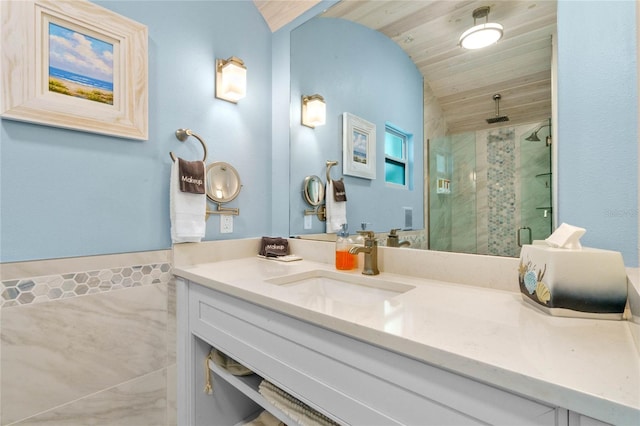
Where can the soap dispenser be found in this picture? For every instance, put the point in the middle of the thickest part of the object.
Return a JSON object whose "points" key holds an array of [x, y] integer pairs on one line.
{"points": [[344, 260]]}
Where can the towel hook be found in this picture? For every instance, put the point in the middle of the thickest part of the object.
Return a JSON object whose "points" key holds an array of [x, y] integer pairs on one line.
{"points": [[182, 135], [330, 164]]}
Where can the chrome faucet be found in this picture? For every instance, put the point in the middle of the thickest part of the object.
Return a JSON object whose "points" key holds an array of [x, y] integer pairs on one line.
{"points": [[370, 250], [394, 241]]}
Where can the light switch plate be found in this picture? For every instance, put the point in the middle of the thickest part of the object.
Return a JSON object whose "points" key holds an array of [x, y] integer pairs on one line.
{"points": [[307, 222], [226, 224]]}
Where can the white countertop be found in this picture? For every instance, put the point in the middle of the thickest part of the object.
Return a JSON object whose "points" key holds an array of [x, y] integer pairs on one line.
{"points": [[588, 366]]}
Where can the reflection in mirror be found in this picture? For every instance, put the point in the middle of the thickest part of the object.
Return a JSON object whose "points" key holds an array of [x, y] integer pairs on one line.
{"points": [[489, 187], [354, 67], [313, 190], [483, 180], [223, 182]]}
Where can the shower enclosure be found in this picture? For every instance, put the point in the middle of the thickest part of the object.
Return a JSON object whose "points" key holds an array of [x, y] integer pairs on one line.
{"points": [[490, 191]]}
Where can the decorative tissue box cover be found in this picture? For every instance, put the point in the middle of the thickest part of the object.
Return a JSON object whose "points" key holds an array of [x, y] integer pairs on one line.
{"points": [[587, 283]]}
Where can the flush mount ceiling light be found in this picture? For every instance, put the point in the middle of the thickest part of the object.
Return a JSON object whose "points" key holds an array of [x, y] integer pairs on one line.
{"points": [[482, 35], [314, 111], [231, 79]]}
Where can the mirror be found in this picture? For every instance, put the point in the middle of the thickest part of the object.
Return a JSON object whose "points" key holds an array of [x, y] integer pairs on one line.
{"points": [[455, 109], [223, 182], [313, 190]]}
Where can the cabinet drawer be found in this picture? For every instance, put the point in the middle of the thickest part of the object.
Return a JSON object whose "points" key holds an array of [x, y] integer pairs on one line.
{"points": [[350, 381]]}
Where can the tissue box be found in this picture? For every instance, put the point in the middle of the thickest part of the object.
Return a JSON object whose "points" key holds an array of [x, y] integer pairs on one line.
{"points": [[586, 283]]}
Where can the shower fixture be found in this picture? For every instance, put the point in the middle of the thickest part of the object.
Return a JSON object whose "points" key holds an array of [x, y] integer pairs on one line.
{"points": [[533, 137], [498, 118]]}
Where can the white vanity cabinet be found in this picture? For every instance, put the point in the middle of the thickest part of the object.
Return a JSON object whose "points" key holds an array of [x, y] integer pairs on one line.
{"points": [[348, 380]]}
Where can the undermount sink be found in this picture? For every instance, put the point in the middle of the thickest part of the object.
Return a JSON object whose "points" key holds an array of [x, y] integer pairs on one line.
{"points": [[341, 287]]}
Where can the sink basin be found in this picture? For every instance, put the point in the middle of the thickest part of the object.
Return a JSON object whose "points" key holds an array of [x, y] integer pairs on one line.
{"points": [[344, 288]]}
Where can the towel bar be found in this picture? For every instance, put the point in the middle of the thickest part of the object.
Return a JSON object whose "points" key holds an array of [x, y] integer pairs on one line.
{"points": [[330, 164], [182, 135]]}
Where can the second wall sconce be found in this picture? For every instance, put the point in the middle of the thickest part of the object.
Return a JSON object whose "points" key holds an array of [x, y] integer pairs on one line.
{"points": [[314, 111], [231, 79]]}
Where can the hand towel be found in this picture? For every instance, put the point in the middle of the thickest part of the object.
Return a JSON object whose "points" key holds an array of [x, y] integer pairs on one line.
{"points": [[265, 419], [339, 192], [336, 210], [294, 408], [186, 210], [191, 175], [273, 247]]}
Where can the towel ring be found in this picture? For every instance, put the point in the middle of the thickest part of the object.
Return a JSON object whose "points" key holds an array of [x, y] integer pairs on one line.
{"points": [[182, 135], [330, 164]]}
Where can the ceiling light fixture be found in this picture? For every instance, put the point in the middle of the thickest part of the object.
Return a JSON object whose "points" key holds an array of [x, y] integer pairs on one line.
{"points": [[482, 35]]}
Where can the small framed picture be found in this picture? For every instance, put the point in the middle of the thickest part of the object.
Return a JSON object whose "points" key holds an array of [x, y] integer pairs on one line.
{"points": [[358, 147], [76, 65]]}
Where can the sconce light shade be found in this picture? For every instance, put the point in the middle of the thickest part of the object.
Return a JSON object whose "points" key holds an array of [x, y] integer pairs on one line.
{"points": [[314, 111], [231, 79], [482, 35]]}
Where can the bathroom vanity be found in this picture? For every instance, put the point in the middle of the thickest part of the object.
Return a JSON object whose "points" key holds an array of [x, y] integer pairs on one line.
{"points": [[391, 349]]}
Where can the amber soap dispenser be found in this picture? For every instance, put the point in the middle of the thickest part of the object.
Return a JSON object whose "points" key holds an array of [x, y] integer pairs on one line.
{"points": [[344, 260]]}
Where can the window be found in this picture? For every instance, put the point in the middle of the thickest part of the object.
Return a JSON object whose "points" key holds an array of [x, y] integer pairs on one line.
{"points": [[396, 156]]}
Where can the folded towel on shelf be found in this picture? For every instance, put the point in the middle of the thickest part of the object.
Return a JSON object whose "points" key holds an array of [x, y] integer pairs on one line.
{"points": [[191, 175], [336, 210], [297, 410], [224, 361], [186, 210], [265, 419]]}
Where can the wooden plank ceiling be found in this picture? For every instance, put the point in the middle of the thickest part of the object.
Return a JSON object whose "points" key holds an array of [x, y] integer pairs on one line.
{"points": [[518, 67]]}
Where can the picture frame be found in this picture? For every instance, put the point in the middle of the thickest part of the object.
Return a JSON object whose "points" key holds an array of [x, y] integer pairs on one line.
{"points": [[74, 65], [358, 147]]}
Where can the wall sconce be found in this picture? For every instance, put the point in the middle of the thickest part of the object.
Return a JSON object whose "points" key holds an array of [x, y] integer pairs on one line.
{"points": [[231, 79], [314, 111]]}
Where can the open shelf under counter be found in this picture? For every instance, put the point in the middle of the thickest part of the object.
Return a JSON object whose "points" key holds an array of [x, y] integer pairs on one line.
{"points": [[249, 385]]}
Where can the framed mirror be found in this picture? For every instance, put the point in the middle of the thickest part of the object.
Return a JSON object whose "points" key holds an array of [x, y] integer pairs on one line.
{"points": [[458, 146]]}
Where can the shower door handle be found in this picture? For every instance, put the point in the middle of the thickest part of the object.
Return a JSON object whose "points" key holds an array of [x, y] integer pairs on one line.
{"points": [[525, 228]]}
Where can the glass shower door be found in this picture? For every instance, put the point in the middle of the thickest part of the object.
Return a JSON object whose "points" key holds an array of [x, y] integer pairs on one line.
{"points": [[536, 210], [452, 194]]}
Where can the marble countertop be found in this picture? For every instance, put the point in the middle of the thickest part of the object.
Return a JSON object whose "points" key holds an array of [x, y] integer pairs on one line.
{"points": [[585, 365]]}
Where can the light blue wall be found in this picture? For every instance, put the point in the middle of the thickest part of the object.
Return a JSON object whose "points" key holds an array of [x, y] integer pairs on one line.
{"points": [[384, 86], [597, 123], [66, 193]]}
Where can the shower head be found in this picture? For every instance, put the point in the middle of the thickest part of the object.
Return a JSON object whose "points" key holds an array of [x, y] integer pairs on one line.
{"points": [[498, 118], [533, 137]]}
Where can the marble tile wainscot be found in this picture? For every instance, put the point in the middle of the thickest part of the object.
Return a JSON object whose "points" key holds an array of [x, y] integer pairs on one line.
{"points": [[88, 340]]}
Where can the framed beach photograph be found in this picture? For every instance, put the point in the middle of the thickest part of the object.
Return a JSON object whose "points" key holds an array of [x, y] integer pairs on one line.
{"points": [[75, 65], [358, 147]]}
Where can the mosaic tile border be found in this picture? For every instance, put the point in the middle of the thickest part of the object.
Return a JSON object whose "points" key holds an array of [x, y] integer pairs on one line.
{"points": [[27, 291], [501, 197]]}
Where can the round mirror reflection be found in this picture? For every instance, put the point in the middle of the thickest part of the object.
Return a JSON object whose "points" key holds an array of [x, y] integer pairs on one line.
{"points": [[223, 182], [313, 190]]}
